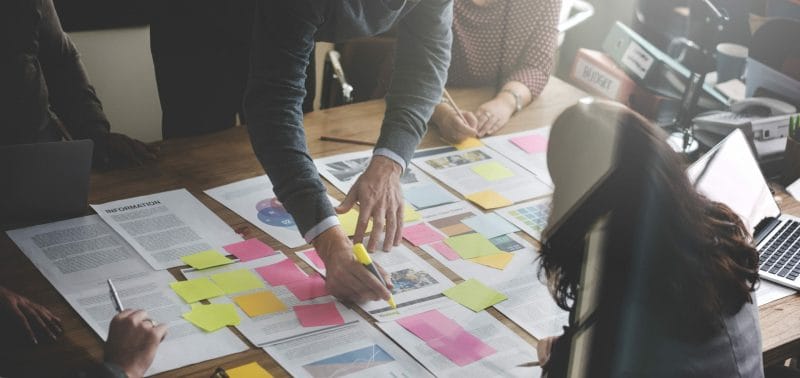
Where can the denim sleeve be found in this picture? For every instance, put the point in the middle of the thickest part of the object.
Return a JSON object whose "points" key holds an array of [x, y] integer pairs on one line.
{"points": [[283, 40], [420, 72]]}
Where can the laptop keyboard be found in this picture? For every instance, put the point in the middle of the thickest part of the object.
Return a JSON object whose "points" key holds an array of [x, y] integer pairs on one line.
{"points": [[780, 255]]}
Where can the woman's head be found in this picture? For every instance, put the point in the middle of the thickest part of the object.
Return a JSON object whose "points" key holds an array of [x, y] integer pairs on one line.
{"points": [[705, 266]]}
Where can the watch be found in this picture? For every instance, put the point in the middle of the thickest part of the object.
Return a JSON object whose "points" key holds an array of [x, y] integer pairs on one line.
{"points": [[517, 100]]}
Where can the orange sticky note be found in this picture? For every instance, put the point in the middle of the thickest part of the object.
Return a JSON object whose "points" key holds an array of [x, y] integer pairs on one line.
{"points": [[468, 143], [251, 370], [489, 199], [260, 303], [497, 261]]}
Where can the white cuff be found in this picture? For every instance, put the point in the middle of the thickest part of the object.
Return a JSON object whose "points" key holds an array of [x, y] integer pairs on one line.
{"points": [[321, 227], [385, 152]]}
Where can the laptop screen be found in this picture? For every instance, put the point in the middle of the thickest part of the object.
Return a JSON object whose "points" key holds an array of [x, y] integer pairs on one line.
{"points": [[729, 174]]}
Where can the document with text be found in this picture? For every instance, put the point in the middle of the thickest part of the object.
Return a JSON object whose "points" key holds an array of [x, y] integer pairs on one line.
{"points": [[163, 227], [78, 255]]}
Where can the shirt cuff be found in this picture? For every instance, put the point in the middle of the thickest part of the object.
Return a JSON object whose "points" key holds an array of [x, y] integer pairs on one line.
{"points": [[385, 152], [321, 227]]}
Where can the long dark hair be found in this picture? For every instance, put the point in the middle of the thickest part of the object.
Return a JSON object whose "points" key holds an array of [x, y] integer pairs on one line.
{"points": [[710, 264]]}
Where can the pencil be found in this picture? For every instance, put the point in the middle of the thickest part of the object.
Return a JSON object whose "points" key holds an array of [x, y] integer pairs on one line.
{"points": [[529, 364], [345, 140], [454, 106]]}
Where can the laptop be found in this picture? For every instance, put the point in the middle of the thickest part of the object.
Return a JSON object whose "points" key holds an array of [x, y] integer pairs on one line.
{"points": [[44, 180], [729, 174]]}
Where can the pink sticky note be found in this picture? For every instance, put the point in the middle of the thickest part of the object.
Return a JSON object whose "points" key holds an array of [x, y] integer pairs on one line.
{"points": [[445, 251], [463, 349], [420, 234], [309, 288], [281, 273], [531, 143], [316, 315], [430, 325], [315, 259], [250, 249]]}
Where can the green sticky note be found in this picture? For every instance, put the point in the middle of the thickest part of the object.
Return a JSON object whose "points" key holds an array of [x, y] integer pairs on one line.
{"points": [[237, 281], [474, 295], [470, 246], [206, 259], [492, 171], [213, 316], [196, 290]]}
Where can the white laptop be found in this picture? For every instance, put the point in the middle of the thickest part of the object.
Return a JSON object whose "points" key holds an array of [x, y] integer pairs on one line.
{"points": [[729, 174]]}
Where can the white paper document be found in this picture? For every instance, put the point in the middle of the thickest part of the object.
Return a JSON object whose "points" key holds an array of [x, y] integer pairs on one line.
{"points": [[531, 306], [530, 217], [163, 227], [446, 219], [527, 148], [78, 255], [419, 190], [418, 286], [254, 200], [482, 169], [510, 349], [354, 350], [273, 327]]}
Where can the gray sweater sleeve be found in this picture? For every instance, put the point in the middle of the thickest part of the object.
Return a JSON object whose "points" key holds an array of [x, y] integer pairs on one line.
{"points": [[420, 72]]}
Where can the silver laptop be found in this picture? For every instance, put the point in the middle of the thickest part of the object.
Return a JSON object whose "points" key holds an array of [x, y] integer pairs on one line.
{"points": [[44, 180], [729, 174]]}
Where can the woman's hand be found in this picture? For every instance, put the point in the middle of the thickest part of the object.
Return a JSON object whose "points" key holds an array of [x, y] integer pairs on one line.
{"points": [[493, 115], [451, 127], [544, 348]]}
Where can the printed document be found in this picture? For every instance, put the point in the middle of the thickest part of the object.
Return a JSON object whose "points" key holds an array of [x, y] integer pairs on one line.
{"points": [[418, 286], [527, 148], [510, 349], [78, 255], [354, 350], [254, 200], [163, 227]]}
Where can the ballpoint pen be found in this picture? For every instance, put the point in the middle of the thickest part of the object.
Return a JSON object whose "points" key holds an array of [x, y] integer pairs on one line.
{"points": [[362, 256], [115, 296]]}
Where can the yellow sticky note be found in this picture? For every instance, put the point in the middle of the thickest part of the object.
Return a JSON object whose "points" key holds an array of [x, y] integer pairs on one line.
{"points": [[260, 303], [196, 290], [468, 143], [474, 295], [489, 199], [410, 215], [349, 221], [206, 259], [213, 316], [497, 261], [251, 370], [470, 246], [492, 171], [237, 281]]}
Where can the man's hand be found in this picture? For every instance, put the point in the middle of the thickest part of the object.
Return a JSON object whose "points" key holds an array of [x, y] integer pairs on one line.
{"points": [[378, 193], [118, 150], [30, 315], [132, 341], [451, 127], [345, 277]]}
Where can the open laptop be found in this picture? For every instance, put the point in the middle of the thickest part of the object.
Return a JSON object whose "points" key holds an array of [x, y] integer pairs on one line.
{"points": [[729, 174], [44, 180]]}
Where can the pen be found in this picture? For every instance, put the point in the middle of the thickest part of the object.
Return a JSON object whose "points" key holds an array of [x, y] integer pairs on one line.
{"points": [[362, 256], [115, 296], [326, 138], [529, 364]]}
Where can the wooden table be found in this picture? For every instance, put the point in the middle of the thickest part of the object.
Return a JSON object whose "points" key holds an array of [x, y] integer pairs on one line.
{"points": [[208, 161]]}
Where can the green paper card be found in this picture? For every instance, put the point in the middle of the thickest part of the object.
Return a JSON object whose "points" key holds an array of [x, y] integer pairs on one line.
{"points": [[237, 281], [474, 295], [470, 246], [206, 259]]}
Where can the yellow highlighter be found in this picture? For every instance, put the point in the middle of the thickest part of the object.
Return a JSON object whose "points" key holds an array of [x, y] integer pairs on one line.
{"points": [[362, 256]]}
